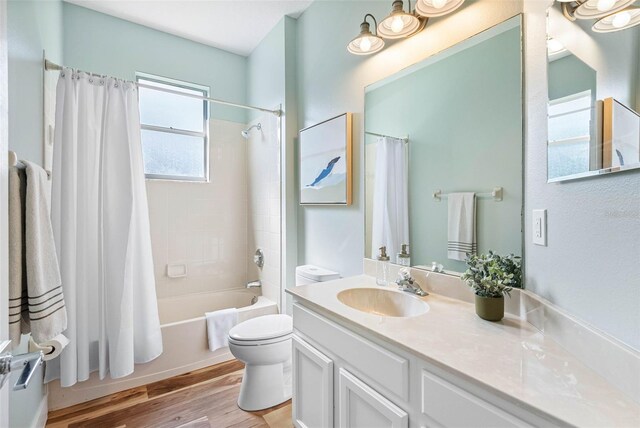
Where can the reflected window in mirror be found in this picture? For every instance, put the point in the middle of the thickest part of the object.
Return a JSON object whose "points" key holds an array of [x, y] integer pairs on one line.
{"points": [[585, 69]]}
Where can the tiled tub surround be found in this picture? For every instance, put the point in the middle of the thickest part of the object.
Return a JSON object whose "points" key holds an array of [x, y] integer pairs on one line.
{"points": [[511, 359], [203, 225], [263, 172], [184, 336]]}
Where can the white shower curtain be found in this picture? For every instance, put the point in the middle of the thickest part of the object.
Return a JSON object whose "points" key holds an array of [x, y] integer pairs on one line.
{"points": [[101, 227], [390, 220]]}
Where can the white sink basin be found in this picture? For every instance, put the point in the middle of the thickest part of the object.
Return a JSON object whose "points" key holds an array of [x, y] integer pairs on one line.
{"points": [[379, 301]]}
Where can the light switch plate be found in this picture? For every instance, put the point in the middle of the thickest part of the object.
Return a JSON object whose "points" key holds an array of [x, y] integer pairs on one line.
{"points": [[540, 227]]}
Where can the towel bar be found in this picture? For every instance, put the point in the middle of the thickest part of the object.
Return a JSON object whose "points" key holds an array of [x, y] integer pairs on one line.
{"points": [[496, 194]]}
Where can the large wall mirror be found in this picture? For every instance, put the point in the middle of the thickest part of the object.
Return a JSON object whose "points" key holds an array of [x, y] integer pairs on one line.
{"points": [[594, 96], [443, 153]]}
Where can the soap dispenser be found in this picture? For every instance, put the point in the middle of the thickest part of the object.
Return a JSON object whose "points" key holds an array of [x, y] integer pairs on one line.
{"points": [[403, 257], [382, 268]]}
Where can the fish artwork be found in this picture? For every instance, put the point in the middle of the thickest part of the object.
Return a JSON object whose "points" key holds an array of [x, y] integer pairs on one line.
{"points": [[325, 172]]}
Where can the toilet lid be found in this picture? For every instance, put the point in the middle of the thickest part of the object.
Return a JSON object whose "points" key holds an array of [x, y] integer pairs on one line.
{"points": [[264, 327]]}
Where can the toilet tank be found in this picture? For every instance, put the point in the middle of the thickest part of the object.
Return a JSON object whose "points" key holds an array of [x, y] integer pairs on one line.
{"points": [[310, 274]]}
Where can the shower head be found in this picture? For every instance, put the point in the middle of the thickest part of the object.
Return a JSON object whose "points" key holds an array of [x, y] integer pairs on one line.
{"points": [[245, 133]]}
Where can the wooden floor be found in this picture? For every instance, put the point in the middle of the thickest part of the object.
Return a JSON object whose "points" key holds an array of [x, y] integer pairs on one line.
{"points": [[204, 398]]}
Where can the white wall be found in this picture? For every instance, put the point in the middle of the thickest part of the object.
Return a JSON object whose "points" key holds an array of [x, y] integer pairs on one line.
{"points": [[590, 266]]}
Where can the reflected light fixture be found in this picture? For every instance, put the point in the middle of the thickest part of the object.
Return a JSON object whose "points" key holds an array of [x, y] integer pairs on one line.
{"points": [[611, 15], [399, 24], [366, 43], [554, 47], [429, 8], [626, 18], [593, 9]]}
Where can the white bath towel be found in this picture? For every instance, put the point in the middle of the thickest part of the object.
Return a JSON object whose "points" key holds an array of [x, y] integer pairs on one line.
{"points": [[218, 325], [47, 312], [17, 267], [461, 226]]}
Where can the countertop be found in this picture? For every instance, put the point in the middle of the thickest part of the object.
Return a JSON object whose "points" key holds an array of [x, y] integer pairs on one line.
{"points": [[511, 357]]}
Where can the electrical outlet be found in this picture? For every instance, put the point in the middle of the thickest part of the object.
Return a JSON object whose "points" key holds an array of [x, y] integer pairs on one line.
{"points": [[540, 227]]}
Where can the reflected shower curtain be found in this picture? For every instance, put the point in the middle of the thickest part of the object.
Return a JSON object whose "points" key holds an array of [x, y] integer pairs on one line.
{"points": [[390, 220], [101, 227]]}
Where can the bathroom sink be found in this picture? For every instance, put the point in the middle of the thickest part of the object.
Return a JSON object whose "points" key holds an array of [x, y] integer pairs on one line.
{"points": [[379, 301]]}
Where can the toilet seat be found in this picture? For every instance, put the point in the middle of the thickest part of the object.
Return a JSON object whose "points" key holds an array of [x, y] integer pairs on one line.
{"points": [[262, 330]]}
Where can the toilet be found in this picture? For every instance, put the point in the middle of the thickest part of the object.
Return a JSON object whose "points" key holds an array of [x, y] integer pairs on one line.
{"points": [[263, 344]]}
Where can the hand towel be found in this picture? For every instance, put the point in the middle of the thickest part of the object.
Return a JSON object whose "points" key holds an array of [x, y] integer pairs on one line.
{"points": [[461, 226], [47, 312], [218, 325], [17, 267]]}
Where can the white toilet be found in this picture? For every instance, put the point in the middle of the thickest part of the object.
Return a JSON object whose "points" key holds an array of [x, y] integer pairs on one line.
{"points": [[263, 344]]}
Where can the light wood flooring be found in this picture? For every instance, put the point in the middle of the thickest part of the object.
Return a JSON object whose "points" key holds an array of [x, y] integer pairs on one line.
{"points": [[204, 398]]}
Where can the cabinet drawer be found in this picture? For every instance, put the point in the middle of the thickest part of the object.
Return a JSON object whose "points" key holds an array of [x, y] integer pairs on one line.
{"points": [[447, 405], [386, 369]]}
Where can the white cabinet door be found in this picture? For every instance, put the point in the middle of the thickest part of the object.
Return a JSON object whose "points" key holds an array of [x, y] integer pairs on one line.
{"points": [[362, 407], [312, 387]]}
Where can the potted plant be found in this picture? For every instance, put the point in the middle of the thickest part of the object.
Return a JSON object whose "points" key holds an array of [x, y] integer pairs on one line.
{"points": [[491, 276]]}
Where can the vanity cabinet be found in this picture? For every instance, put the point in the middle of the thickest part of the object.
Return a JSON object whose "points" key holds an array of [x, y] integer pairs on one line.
{"points": [[348, 379]]}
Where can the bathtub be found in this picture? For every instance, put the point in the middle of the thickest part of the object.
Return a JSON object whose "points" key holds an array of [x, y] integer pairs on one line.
{"points": [[184, 336]]}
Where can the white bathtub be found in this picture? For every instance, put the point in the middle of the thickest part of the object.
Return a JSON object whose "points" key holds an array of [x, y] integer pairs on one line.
{"points": [[184, 336]]}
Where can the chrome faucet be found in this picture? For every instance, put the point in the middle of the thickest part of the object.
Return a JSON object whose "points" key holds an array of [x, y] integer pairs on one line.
{"points": [[408, 284]]}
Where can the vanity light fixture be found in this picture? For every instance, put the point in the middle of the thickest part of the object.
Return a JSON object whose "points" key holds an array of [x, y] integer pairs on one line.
{"points": [[366, 43], [611, 15], [429, 8], [399, 24], [554, 47]]}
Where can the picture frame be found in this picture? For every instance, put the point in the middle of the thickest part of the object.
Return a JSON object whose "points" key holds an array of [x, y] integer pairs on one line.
{"points": [[325, 162]]}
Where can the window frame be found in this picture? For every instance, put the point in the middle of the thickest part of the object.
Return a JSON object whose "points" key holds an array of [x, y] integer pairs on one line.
{"points": [[143, 78]]}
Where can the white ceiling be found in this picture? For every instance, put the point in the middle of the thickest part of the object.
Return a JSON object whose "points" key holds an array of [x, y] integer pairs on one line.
{"points": [[233, 25]]}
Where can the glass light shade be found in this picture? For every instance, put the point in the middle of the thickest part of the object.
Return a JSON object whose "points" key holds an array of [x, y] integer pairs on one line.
{"points": [[554, 47], [398, 23], [366, 43], [627, 18], [593, 9], [430, 8]]}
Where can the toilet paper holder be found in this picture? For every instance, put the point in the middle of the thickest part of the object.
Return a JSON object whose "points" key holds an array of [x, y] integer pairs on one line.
{"points": [[27, 363]]}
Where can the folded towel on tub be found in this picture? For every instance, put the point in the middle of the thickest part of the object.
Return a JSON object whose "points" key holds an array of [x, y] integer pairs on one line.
{"points": [[218, 325]]}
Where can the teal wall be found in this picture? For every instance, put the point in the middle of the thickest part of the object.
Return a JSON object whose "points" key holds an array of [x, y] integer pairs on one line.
{"points": [[465, 133], [568, 76], [33, 26], [103, 44]]}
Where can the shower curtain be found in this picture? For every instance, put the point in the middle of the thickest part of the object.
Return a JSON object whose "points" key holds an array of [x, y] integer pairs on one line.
{"points": [[390, 220], [101, 227]]}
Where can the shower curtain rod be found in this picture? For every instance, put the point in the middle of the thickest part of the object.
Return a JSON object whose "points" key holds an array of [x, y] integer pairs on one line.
{"points": [[51, 66], [404, 139]]}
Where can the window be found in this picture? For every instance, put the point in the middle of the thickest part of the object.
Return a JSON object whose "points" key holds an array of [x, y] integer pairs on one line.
{"points": [[570, 134], [175, 135]]}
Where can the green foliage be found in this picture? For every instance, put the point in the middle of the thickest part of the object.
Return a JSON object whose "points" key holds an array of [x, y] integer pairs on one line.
{"points": [[492, 275]]}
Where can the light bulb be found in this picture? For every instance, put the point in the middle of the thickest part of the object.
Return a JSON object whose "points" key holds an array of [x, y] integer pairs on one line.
{"points": [[397, 24], [605, 5], [365, 44], [438, 4], [621, 19]]}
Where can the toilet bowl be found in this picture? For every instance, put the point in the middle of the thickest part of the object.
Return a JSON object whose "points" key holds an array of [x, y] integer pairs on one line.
{"points": [[263, 344]]}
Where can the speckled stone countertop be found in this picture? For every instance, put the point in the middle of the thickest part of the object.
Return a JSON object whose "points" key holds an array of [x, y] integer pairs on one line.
{"points": [[511, 357]]}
